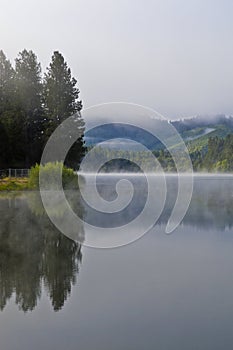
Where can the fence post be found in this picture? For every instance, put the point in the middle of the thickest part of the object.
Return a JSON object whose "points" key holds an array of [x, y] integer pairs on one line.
{"points": [[9, 173]]}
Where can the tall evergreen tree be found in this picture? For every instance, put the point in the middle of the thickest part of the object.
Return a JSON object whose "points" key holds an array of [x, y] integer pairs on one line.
{"points": [[29, 104], [6, 108], [61, 101], [6, 83]]}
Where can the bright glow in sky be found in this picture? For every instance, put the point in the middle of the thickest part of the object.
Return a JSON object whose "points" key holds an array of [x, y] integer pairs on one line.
{"points": [[175, 56]]}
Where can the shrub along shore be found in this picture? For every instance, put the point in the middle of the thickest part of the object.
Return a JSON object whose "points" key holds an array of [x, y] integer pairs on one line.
{"points": [[50, 173]]}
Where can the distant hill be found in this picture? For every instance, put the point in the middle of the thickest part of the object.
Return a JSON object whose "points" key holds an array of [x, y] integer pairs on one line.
{"points": [[194, 131]]}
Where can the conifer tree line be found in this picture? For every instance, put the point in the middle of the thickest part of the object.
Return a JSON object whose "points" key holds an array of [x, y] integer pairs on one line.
{"points": [[32, 105]]}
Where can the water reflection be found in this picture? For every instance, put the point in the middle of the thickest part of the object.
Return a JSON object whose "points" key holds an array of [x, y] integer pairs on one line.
{"points": [[34, 255], [211, 205]]}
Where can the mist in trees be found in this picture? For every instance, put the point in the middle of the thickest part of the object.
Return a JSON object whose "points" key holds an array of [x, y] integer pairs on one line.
{"points": [[32, 105]]}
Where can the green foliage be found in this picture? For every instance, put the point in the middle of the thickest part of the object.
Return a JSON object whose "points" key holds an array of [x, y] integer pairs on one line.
{"points": [[28, 87], [13, 184], [219, 156], [60, 92], [6, 108], [201, 143], [49, 175], [28, 81], [32, 107], [60, 96], [132, 161]]}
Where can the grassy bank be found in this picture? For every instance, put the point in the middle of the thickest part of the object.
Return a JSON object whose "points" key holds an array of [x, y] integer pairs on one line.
{"points": [[14, 184], [49, 175]]}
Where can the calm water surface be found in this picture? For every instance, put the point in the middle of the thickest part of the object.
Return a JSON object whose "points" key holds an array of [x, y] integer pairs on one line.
{"points": [[161, 292]]}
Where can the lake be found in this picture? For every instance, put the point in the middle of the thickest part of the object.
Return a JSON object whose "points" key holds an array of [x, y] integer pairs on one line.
{"points": [[160, 292]]}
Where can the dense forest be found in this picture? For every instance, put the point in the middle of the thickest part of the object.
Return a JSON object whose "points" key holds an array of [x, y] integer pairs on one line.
{"points": [[32, 105], [217, 157]]}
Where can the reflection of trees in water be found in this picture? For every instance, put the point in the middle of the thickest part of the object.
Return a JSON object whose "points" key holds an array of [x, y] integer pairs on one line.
{"points": [[32, 253], [211, 205]]}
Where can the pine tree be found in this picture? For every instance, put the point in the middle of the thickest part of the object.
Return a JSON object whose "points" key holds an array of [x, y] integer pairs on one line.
{"points": [[29, 104], [6, 108], [61, 101], [6, 83]]}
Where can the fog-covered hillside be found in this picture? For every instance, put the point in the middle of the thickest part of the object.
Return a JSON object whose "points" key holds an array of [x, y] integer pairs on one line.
{"points": [[195, 132]]}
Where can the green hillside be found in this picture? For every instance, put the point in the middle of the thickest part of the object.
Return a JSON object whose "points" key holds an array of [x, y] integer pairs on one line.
{"points": [[201, 143]]}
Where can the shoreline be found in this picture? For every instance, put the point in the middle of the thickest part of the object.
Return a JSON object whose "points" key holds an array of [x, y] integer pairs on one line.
{"points": [[21, 184]]}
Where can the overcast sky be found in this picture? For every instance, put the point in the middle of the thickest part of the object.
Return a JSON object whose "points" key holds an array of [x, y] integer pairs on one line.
{"points": [[175, 56]]}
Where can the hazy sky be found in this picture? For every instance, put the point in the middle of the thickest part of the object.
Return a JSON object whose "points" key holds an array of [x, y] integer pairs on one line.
{"points": [[175, 56]]}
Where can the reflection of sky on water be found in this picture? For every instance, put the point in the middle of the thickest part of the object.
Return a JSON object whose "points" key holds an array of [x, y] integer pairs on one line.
{"points": [[165, 291]]}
